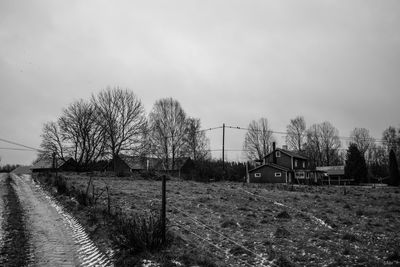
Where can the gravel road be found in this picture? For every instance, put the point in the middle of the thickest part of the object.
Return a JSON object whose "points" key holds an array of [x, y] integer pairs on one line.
{"points": [[36, 231]]}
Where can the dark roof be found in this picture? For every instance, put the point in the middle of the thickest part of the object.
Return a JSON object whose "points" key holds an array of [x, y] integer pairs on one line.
{"points": [[140, 163], [331, 170], [272, 165], [22, 170], [134, 162], [46, 163], [292, 154], [289, 153]]}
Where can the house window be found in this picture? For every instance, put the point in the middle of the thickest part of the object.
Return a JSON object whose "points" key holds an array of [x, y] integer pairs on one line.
{"points": [[299, 174], [257, 175], [295, 162], [278, 174], [278, 154], [304, 164]]}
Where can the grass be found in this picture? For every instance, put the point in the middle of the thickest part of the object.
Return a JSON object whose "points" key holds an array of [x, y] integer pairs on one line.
{"points": [[361, 224]]}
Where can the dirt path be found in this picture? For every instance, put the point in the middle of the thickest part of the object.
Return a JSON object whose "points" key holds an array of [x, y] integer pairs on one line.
{"points": [[15, 246], [53, 237], [2, 205]]}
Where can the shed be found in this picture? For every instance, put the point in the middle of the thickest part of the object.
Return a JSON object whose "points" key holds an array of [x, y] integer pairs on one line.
{"points": [[46, 165], [127, 164], [334, 175]]}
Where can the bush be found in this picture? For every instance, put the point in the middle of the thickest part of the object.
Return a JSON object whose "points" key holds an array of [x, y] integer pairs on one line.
{"points": [[82, 198], [61, 184], [229, 224], [283, 215], [137, 234], [349, 237], [281, 232]]}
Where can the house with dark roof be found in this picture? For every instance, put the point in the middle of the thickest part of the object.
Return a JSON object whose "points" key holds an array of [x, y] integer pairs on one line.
{"points": [[284, 166], [47, 165], [128, 164], [22, 170]]}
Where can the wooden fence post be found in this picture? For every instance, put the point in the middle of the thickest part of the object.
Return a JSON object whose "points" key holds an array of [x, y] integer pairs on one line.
{"points": [[163, 209]]}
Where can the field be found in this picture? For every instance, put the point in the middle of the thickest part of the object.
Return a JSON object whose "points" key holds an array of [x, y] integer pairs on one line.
{"points": [[231, 224]]}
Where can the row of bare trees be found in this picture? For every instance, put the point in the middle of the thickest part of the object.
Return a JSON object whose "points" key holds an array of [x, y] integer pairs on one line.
{"points": [[321, 142], [114, 121]]}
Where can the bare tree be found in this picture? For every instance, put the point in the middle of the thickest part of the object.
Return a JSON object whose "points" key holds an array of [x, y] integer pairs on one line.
{"points": [[391, 139], [196, 141], [167, 126], [85, 136], [313, 146], [362, 139], [330, 142], [258, 139], [52, 141], [322, 145], [122, 118], [296, 133]]}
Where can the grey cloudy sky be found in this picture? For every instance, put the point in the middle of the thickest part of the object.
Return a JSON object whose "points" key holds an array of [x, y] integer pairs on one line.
{"points": [[225, 61]]}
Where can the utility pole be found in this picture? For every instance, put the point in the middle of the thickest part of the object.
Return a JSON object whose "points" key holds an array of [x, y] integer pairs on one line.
{"points": [[223, 149]]}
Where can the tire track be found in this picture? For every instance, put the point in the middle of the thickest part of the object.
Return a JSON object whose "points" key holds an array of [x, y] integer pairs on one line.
{"points": [[15, 250], [58, 238]]}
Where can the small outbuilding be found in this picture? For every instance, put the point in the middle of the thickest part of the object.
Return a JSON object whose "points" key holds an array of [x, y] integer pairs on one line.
{"points": [[47, 165], [334, 175], [128, 164]]}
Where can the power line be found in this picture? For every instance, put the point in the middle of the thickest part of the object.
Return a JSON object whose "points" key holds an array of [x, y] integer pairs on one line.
{"points": [[17, 149], [199, 131], [18, 144], [347, 138]]}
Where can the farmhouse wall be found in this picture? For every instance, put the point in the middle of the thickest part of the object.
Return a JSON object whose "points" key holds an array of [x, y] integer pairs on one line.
{"points": [[267, 175]]}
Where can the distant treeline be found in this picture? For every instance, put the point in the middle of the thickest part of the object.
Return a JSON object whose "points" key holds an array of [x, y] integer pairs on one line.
{"points": [[216, 170], [114, 122], [8, 167]]}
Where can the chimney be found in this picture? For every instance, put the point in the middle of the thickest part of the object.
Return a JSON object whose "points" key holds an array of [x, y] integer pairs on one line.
{"points": [[273, 152]]}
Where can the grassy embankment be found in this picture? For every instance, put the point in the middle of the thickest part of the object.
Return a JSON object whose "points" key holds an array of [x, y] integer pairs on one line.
{"points": [[135, 237]]}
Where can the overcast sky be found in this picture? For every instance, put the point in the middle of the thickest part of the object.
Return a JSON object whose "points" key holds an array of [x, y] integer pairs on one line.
{"points": [[224, 61]]}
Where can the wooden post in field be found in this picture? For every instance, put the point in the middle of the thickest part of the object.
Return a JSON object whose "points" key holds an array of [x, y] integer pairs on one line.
{"points": [[163, 209], [223, 151], [54, 165]]}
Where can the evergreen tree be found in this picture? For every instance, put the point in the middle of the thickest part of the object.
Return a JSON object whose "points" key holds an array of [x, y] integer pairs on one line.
{"points": [[394, 177], [355, 167]]}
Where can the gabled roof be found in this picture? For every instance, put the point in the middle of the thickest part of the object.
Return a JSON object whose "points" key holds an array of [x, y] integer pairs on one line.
{"points": [[272, 165], [140, 163], [289, 153], [46, 163], [22, 170], [133, 162], [292, 154], [332, 170]]}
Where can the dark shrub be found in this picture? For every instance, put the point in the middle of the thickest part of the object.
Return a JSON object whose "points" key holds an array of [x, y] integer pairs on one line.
{"points": [[349, 237], [137, 234], [229, 224], [281, 232], [283, 215]]}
